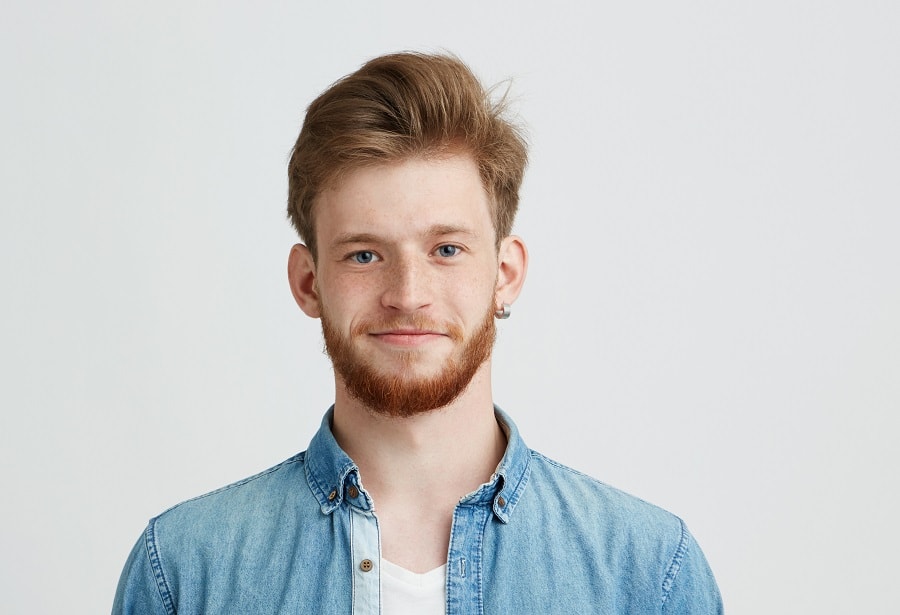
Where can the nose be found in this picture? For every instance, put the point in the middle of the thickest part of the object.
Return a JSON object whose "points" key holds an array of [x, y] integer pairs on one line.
{"points": [[407, 285]]}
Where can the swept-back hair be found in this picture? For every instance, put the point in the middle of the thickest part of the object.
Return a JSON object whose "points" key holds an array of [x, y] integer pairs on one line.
{"points": [[396, 107]]}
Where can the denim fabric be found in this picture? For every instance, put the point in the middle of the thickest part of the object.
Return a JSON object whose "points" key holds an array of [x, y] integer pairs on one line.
{"points": [[303, 537]]}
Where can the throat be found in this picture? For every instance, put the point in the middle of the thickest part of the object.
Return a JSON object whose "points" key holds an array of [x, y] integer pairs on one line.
{"points": [[415, 538]]}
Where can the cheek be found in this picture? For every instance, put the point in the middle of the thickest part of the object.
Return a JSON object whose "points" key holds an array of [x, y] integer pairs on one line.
{"points": [[345, 296], [472, 293]]}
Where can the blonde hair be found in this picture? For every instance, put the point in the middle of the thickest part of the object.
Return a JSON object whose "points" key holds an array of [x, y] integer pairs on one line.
{"points": [[396, 107]]}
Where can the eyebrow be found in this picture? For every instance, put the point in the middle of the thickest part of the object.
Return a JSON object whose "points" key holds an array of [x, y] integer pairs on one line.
{"points": [[449, 229], [346, 238], [438, 230]]}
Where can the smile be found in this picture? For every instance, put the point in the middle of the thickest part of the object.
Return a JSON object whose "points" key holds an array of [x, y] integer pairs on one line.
{"points": [[407, 337]]}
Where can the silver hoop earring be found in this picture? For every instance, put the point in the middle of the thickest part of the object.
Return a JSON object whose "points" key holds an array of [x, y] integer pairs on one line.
{"points": [[503, 313]]}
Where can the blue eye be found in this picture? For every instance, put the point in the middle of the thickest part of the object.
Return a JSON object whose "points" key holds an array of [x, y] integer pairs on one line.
{"points": [[364, 258], [448, 250]]}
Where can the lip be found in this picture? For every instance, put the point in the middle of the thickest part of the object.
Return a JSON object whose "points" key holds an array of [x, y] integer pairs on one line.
{"points": [[407, 337]]}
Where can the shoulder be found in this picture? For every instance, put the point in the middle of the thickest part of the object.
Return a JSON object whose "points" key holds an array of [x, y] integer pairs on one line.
{"points": [[594, 498], [627, 533], [219, 547], [619, 528], [244, 503]]}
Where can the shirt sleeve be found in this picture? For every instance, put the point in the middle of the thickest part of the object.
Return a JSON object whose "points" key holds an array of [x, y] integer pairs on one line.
{"points": [[138, 592], [689, 587]]}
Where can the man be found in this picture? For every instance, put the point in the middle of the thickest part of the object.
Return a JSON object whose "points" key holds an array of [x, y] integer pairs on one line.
{"points": [[417, 495]]}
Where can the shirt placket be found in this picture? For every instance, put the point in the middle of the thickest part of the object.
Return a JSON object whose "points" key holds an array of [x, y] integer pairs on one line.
{"points": [[366, 562], [464, 562]]}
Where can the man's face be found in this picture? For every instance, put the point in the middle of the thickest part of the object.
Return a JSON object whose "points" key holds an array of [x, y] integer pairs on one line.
{"points": [[406, 276]]}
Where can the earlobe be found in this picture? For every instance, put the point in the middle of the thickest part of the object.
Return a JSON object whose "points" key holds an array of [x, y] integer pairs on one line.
{"points": [[512, 266], [302, 278]]}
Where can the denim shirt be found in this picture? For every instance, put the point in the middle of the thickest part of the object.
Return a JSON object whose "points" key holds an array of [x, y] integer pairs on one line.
{"points": [[303, 537]]}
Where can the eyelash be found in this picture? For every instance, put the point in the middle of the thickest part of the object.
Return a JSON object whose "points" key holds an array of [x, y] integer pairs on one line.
{"points": [[456, 249], [354, 255]]}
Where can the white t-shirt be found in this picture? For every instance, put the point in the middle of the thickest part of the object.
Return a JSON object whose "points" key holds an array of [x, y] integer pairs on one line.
{"points": [[408, 593]]}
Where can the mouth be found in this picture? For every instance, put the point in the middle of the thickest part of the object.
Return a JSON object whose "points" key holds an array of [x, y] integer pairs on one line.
{"points": [[407, 337]]}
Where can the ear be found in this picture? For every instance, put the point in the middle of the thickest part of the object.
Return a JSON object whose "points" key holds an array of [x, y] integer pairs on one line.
{"points": [[302, 277], [511, 268]]}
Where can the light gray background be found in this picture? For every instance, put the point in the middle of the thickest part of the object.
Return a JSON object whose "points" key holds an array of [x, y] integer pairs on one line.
{"points": [[710, 320]]}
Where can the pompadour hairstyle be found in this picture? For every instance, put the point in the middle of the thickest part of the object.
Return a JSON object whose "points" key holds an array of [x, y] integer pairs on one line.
{"points": [[396, 107]]}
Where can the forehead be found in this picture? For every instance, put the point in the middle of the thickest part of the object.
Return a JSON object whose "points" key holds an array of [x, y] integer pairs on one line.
{"points": [[400, 199]]}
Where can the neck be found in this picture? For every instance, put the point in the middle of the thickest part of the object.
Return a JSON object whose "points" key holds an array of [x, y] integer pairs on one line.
{"points": [[450, 451]]}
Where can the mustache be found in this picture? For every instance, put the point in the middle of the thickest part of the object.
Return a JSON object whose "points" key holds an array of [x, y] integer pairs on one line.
{"points": [[418, 322]]}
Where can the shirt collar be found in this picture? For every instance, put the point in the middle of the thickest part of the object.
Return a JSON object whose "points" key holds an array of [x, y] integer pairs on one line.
{"points": [[334, 477], [329, 471]]}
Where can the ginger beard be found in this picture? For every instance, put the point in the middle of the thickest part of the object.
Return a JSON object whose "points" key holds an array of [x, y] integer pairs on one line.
{"points": [[404, 394]]}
